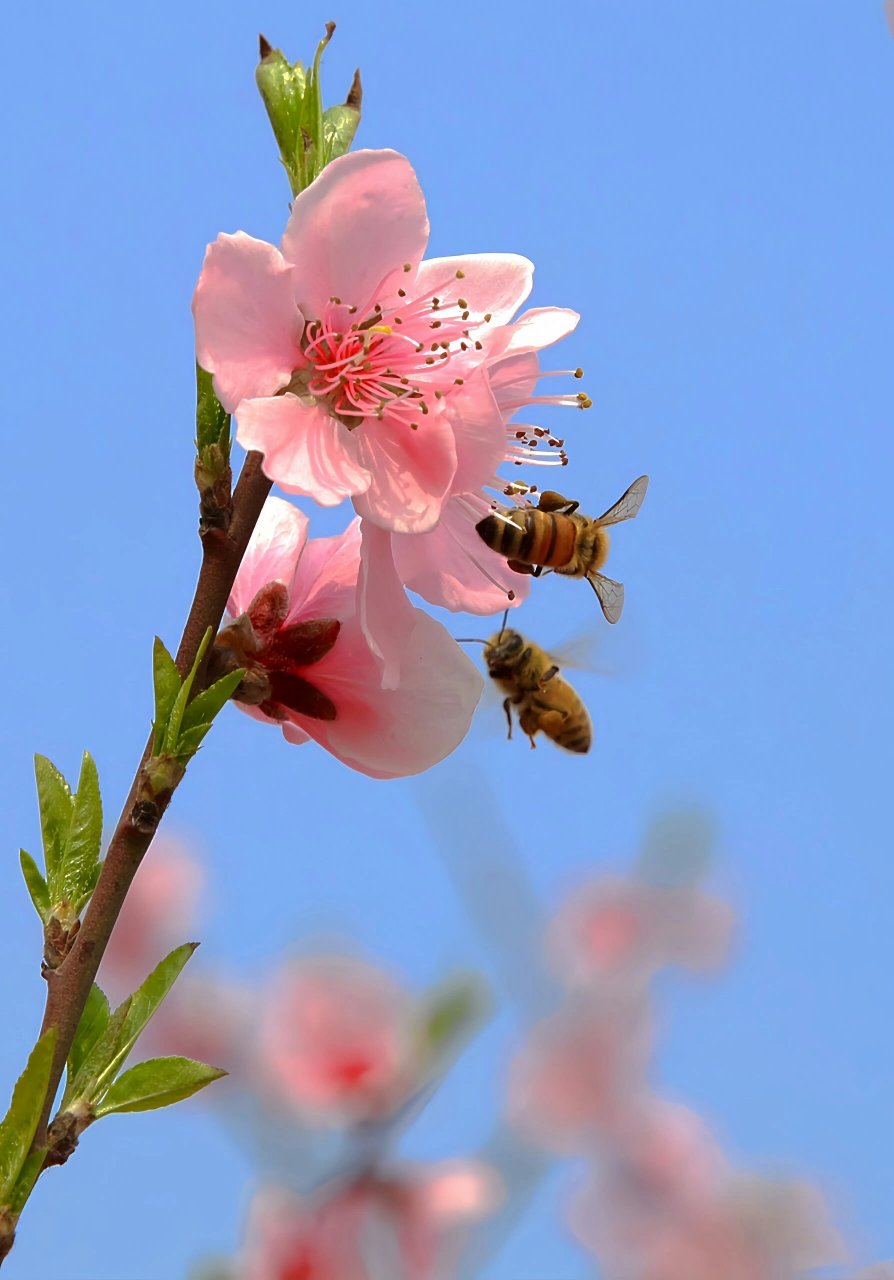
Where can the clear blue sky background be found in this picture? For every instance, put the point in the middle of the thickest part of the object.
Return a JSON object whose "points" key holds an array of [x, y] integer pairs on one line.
{"points": [[712, 186]]}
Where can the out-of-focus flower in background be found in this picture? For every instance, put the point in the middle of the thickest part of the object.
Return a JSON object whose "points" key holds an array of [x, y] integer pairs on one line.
{"points": [[405, 1224]]}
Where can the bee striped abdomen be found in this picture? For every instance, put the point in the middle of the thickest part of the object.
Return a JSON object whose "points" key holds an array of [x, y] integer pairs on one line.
{"points": [[575, 734], [532, 537]]}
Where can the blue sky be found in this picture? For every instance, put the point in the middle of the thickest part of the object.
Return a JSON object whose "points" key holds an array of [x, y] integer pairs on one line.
{"points": [[711, 186]]}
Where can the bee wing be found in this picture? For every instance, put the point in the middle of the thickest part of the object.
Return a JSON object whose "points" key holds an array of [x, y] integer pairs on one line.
{"points": [[628, 504], [610, 594], [579, 652]]}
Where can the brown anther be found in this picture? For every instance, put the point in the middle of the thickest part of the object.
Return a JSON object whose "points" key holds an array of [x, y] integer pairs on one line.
{"points": [[352, 311], [337, 301], [465, 315], [424, 407], [439, 395], [408, 266], [578, 373], [378, 307], [510, 595], [479, 346], [435, 324], [414, 426], [488, 316], [458, 382], [429, 359], [461, 303], [460, 275], [401, 293], [397, 320]]}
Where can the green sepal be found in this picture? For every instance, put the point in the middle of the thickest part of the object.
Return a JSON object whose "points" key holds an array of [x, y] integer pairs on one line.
{"points": [[157, 1083], [93, 1023], [340, 124], [212, 419], [56, 803], [80, 858], [36, 885], [18, 1128]]}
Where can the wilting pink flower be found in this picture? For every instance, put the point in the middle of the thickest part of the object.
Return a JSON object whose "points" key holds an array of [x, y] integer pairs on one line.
{"points": [[578, 1073], [627, 929], [357, 369], [389, 692], [403, 1226], [339, 1041], [158, 915]]}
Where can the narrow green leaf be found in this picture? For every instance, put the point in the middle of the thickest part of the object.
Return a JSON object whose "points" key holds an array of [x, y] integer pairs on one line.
{"points": [[86, 890], [212, 420], [18, 1129], [28, 1175], [166, 679], [56, 804], [172, 733], [190, 741], [143, 1004], [92, 1025], [36, 885], [450, 1013], [157, 1083], [82, 1083], [207, 704], [81, 855]]}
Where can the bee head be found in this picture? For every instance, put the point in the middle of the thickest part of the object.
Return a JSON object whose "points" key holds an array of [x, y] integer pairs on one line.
{"points": [[503, 649]]}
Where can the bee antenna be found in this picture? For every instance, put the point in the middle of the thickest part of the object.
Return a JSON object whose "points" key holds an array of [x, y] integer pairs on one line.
{"points": [[469, 640], [503, 623]]}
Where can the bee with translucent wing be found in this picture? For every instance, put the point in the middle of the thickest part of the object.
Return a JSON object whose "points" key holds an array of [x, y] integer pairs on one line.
{"points": [[544, 702], [555, 536]]}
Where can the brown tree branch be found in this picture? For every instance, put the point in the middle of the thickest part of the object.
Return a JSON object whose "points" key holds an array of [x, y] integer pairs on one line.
{"points": [[69, 986]]}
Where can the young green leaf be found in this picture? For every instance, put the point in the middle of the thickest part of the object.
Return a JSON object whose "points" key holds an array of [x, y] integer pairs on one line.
{"points": [[339, 126], [81, 1084], [178, 710], [143, 1004], [207, 704], [28, 1175], [36, 885], [157, 1083], [18, 1128], [80, 856], [450, 1013], [167, 685], [86, 889], [56, 804], [92, 1025], [212, 420], [190, 741]]}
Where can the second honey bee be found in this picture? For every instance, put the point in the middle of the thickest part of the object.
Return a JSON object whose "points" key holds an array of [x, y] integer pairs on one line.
{"points": [[554, 535], [544, 702]]}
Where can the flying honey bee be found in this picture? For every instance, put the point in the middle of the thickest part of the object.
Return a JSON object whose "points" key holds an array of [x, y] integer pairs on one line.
{"points": [[544, 702], [554, 536]]}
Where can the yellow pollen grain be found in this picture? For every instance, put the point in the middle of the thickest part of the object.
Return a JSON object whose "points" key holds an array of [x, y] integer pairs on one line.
{"points": [[380, 328]]}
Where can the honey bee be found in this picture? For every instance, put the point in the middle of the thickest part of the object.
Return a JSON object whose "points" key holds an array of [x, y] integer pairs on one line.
{"points": [[553, 536], [544, 702]]}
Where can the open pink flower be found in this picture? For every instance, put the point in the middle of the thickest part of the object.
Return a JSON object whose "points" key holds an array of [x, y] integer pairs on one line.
{"points": [[350, 363], [389, 694], [579, 1072], [626, 928], [403, 1225], [339, 1041]]}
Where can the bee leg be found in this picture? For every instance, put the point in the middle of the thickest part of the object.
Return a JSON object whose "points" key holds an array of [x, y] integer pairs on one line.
{"points": [[506, 706], [548, 675]]}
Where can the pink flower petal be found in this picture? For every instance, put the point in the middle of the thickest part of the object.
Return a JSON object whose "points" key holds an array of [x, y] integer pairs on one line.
{"points": [[494, 284], [537, 328], [458, 1190], [395, 733], [480, 433], [411, 471], [306, 450], [325, 585], [450, 566], [247, 323], [272, 555], [386, 615], [363, 218]]}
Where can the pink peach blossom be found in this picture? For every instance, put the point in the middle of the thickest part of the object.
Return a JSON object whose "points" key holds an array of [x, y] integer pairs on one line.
{"points": [[579, 1072], [404, 1225], [357, 369], [380, 684], [159, 914], [338, 1040], [625, 928]]}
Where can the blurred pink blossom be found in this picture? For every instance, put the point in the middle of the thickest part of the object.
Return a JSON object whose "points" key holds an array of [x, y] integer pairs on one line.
{"points": [[624, 928], [337, 654], [579, 1072], [339, 1041], [159, 914], [405, 1226], [356, 368]]}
